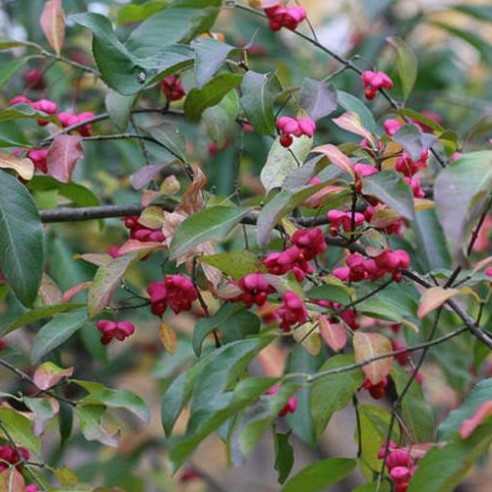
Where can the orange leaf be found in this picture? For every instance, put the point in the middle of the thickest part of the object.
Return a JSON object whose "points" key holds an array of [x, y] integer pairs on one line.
{"points": [[53, 24], [22, 166], [336, 157], [334, 335], [11, 480], [168, 337], [433, 298], [370, 345], [49, 374], [481, 413]]}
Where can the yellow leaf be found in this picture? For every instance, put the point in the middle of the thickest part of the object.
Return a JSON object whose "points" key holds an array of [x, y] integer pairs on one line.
{"points": [[370, 345], [22, 166], [168, 337]]}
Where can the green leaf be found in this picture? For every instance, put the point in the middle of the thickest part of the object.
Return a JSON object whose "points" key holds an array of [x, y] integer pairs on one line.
{"points": [[407, 64], [119, 68], [172, 140], [335, 292], [481, 12], [213, 413], [37, 314], [43, 412], [170, 26], [210, 55], [353, 104], [107, 279], [317, 98], [431, 249], [332, 393], [10, 68], [100, 395], [205, 326], [279, 206], [389, 187], [134, 13], [21, 239], [281, 161], [284, 455], [416, 412], [320, 475], [207, 225], [23, 111], [221, 120], [242, 325], [373, 487], [442, 469], [211, 94], [374, 424], [54, 333], [258, 92], [90, 424], [460, 191], [413, 141], [119, 109], [410, 113], [480, 393], [78, 194], [227, 365], [475, 40], [20, 428], [235, 264]]}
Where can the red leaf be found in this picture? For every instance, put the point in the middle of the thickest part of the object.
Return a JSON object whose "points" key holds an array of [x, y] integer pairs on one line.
{"points": [[481, 413], [72, 292], [49, 374], [53, 24], [370, 345], [433, 298], [11, 480], [62, 156], [334, 335]]}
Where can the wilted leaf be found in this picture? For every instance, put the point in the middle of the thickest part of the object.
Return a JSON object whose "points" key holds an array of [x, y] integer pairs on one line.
{"points": [[63, 154], [368, 346], [53, 24], [49, 374], [336, 157], [433, 298], [22, 166], [167, 337]]}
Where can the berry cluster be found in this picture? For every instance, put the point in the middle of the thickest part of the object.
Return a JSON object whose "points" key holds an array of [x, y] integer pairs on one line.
{"points": [[12, 456], [359, 268], [255, 289], [373, 81], [400, 464], [306, 245], [142, 233], [291, 127], [288, 17], [68, 119], [376, 390], [114, 329], [172, 88], [175, 290], [39, 157], [340, 219], [292, 311]]}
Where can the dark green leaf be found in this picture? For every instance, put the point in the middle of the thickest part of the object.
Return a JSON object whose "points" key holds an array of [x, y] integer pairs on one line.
{"points": [[413, 141], [54, 333], [242, 325], [481, 12], [37, 314], [23, 111], [211, 94], [481, 393], [258, 95], [135, 13], [222, 120], [119, 109], [172, 140], [284, 455], [318, 98], [442, 469], [416, 412], [331, 292], [332, 393], [475, 40], [320, 475], [210, 55], [389, 187], [208, 224], [21, 239], [90, 417], [407, 64], [459, 191], [100, 395], [10, 68], [431, 248]]}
